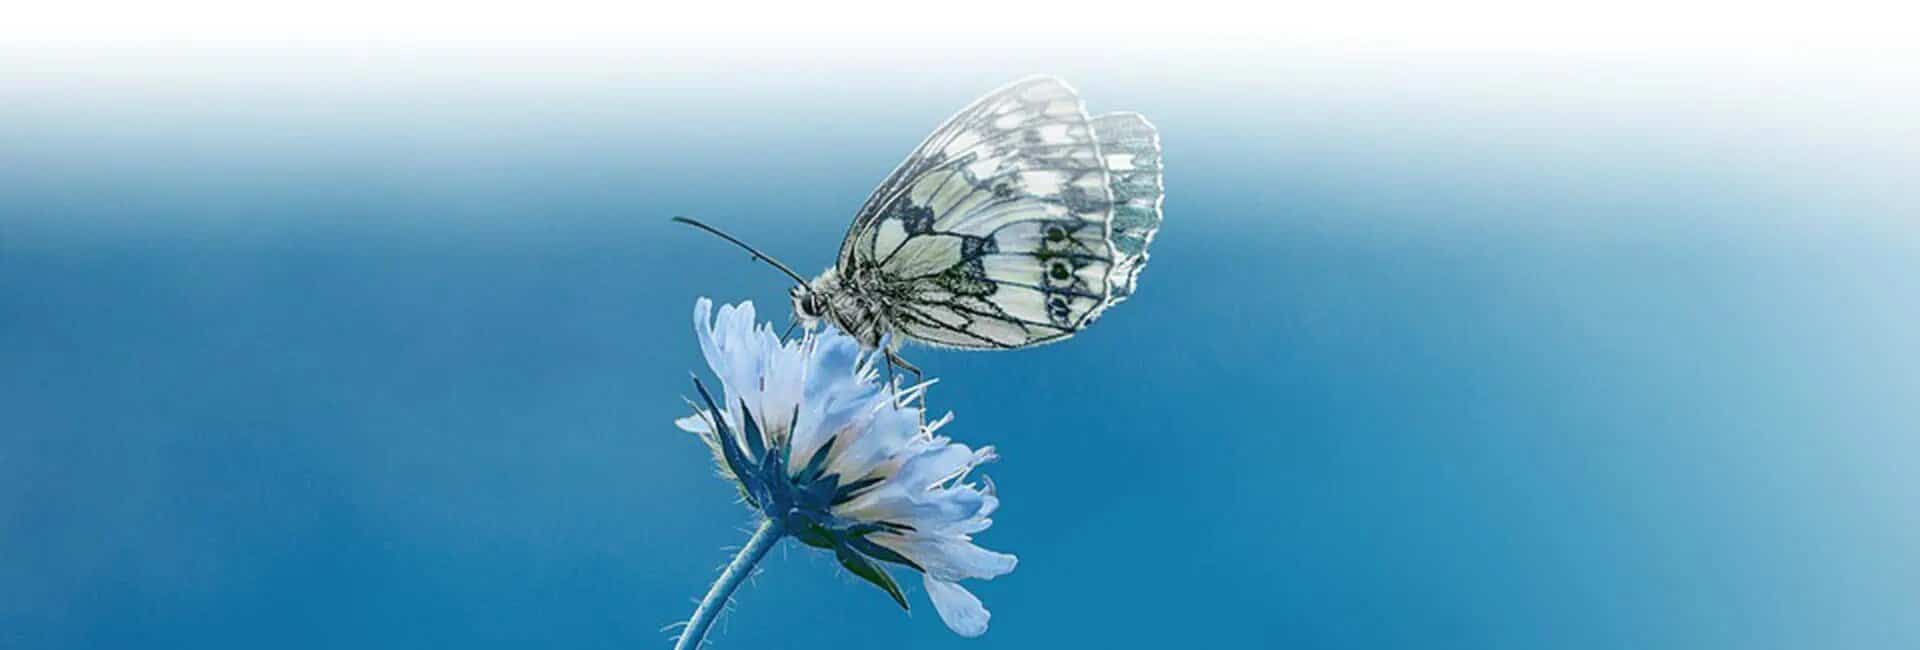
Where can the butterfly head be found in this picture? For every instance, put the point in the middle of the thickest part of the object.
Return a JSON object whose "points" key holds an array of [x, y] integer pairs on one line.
{"points": [[808, 305], [810, 300]]}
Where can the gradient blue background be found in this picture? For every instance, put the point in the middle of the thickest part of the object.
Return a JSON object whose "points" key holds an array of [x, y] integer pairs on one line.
{"points": [[381, 348]]}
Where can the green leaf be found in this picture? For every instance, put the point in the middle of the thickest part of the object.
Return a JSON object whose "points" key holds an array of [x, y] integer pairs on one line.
{"points": [[849, 491], [883, 553], [786, 453], [816, 536], [756, 441], [865, 568], [817, 464]]}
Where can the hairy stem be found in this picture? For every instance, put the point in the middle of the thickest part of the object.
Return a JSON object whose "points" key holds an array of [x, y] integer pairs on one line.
{"points": [[763, 540]]}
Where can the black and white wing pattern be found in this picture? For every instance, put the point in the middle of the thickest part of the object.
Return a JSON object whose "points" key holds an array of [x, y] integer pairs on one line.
{"points": [[1130, 147], [1015, 223]]}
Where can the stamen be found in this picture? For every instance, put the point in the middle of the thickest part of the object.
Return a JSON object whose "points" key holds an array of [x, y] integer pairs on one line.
{"points": [[904, 397]]}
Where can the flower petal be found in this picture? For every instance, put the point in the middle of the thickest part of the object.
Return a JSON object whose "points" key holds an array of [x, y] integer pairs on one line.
{"points": [[933, 466], [921, 493], [696, 423], [946, 511], [875, 439], [950, 558], [834, 398], [959, 609]]}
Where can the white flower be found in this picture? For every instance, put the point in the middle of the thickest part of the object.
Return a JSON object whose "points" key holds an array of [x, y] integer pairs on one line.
{"points": [[833, 457]]}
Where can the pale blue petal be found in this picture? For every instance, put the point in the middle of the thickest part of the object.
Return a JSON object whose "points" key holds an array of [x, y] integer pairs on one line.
{"points": [[833, 395], [951, 558], [959, 609], [958, 511], [877, 438], [934, 465], [696, 423]]}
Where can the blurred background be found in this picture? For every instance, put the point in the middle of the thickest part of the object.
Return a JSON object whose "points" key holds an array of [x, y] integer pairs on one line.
{"points": [[1459, 333]]}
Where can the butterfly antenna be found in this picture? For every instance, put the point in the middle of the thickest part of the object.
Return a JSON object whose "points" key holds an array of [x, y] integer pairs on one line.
{"points": [[756, 252]]}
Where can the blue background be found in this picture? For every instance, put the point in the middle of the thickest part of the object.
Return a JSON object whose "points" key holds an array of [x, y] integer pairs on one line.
{"points": [[331, 349]]}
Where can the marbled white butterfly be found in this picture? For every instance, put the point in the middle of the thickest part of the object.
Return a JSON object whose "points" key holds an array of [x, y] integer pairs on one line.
{"points": [[1016, 223]]}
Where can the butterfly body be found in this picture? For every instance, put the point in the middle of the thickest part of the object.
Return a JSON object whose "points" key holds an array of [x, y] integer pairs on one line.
{"points": [[1018, 222], [855, 305]]}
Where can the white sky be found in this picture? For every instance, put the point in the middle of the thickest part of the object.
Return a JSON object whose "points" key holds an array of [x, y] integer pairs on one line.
{"points": [[1534, 25]]}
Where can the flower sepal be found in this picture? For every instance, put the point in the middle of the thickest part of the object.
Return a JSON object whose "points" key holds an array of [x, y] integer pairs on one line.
{"points": [[861, 566], [748, 473], [851, 547]]}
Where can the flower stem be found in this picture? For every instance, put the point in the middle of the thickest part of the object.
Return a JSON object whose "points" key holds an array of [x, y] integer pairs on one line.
{"points": [[763, 540]]}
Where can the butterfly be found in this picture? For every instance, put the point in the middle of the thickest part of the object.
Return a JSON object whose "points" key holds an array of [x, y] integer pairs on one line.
{"points": [[1016, 223]]}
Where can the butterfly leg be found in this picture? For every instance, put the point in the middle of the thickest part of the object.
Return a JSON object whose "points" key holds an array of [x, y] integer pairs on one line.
{"points": [[894, 359]]}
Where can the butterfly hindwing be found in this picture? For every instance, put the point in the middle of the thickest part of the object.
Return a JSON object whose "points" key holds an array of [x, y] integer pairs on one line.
{"points": [[1131, 148], [995, 232]]}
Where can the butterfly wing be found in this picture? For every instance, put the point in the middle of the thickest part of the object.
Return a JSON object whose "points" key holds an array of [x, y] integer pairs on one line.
{"points": [[997, 232], [1130, 147]]}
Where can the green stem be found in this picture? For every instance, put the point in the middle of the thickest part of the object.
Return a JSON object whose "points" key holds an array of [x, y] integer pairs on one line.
{"points": [[763, 540]]}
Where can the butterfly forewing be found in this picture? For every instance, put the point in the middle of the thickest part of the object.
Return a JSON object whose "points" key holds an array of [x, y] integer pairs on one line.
{"points": [[995, 232]]}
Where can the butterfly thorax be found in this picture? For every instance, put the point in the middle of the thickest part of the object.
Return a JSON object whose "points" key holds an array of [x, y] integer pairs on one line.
{"points": [[855, 304]]}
